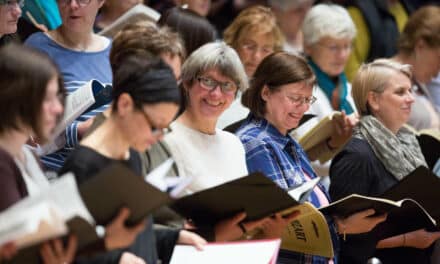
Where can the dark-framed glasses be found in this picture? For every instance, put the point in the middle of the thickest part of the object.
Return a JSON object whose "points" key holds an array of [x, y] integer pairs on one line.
{"points": [[210, 85], [81, 3], [298, 99], [155, 131], [11, 4]]}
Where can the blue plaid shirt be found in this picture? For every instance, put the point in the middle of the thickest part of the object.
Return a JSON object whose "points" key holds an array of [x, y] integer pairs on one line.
{"points": [[284, 161]]}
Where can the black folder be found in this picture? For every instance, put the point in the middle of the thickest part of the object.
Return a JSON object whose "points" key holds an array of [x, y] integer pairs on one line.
{"points": [[254, 194]]}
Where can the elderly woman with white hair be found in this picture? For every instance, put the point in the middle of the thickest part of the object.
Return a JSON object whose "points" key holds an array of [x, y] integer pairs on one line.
{"points": [[328, 34]]}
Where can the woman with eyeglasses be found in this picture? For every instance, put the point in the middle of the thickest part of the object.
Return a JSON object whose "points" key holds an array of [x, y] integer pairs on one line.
{"points": [[145, 100], [254, 34], [328, 32], [381, 152], [279, 94], [10, 12], [31, 79], [211, 77], [81, 56]]}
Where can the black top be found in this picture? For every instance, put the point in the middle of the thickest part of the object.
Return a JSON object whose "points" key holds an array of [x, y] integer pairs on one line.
{"points": [[85, 162], [356, 169]]}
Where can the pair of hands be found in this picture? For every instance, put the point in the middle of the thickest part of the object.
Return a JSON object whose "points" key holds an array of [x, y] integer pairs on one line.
{"points": [[117, 236], [272, 227], [52, 252]]}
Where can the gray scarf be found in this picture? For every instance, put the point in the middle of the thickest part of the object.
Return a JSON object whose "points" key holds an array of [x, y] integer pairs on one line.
{"points": [[401, 153]]}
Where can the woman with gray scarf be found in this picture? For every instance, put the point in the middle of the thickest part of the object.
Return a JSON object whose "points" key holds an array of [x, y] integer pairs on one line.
{"points": [[380, 154]]}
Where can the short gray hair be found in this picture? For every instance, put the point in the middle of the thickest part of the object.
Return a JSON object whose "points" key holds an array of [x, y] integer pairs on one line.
{"points": [[327, 20], [219, 56], [286, 5]]}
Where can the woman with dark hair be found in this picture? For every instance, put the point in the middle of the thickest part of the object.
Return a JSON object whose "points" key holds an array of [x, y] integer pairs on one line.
{"points": [[145, 100], [31, 100], [279, 95], [194, 29]]}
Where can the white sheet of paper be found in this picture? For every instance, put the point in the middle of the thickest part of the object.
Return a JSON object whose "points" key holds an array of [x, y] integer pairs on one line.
{"points": [[159, 179], [255, 252], [36, 218], [303, 190]]}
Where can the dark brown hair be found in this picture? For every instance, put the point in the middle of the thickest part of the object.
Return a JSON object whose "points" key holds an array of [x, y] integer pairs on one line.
{"points": [[194, 29], [145, 37], [25, 74], [277, 69]]}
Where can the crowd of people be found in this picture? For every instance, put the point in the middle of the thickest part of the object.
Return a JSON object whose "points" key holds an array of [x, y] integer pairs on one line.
{"points": [[225, 100]]}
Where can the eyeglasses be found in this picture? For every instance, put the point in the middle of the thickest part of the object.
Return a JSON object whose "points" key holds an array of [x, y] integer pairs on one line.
{"points": [[154, 130], [210, 85], [11, 4], [81, 3], [299, 100], [253, 48], [335, 49]]}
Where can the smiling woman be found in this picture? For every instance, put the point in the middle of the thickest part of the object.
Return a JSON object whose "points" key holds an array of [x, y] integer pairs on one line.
{"points": [[279, 94], [380, 154], [211, 77]]}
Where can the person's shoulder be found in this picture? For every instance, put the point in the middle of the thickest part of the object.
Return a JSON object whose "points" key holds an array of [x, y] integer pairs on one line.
{"points": [[37, 39], [356, 150], [81, 156], [229, 138], [249, 130], [7, 164], [254, 137]]}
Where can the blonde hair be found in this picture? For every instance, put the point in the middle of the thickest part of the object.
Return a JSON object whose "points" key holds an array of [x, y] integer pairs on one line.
{"points": [[256, 18], [374, 77]]}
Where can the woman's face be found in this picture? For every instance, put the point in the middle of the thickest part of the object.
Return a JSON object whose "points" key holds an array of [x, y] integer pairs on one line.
{"points": [[286, 106], [427, 62], [330, 54], [9, 15], [52, 108], [393, 106], [210, 94], [78, 18], [253, 47], [147, 125]]}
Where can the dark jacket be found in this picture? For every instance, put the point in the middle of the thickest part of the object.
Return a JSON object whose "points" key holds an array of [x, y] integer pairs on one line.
{"points": [[356, 169], [382, 26]]}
